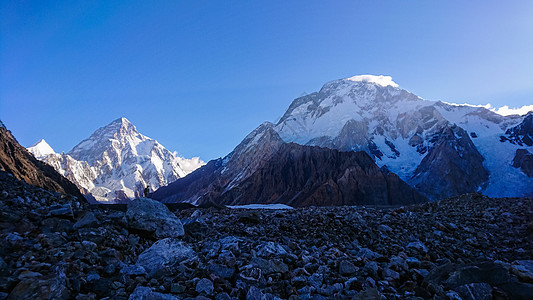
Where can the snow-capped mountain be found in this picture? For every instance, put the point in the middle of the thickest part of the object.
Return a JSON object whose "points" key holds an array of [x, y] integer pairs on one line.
{"points": [[117, 162], [400, 130], [41, 149]]}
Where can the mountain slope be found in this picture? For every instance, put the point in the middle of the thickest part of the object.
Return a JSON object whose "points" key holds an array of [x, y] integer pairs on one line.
{"points": [[16, 160], [263, 169], [117, 162], [398, 129]]}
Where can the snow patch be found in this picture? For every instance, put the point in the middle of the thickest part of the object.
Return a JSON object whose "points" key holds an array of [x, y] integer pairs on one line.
{"points": [[507, 111], [41, 149], [502, 111], [380, 80]]}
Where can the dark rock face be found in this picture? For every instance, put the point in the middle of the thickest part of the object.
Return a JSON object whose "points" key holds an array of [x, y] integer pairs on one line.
{"points": [[263, 169], [16, 160], [524, 160], [210, 180], [452, 167], [304, 176], [521, 134]]}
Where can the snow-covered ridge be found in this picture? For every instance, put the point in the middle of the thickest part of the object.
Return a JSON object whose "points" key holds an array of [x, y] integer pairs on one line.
{"points": [[117, 162], [502, 111], [380, 80], [41, 149]]}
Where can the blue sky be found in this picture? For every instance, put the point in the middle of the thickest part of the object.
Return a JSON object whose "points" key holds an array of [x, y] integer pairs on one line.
{"points": [[199, 75]]}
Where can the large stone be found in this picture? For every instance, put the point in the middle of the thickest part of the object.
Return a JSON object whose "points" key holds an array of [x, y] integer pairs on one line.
{"points": [[164, 256], [475, 291], [145, 293], [523, 269], [153, 216], [346, 268], [52, 287], [88, 220], [205, 285]]}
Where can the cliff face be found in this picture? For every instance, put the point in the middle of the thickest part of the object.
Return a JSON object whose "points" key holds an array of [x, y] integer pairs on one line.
{"points": [[16, 160], [524, 160], [263, 169], [313, 176], [452, 167]]}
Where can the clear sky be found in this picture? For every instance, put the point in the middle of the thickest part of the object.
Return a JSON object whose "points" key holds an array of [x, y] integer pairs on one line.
{"points": [[200, 75]]}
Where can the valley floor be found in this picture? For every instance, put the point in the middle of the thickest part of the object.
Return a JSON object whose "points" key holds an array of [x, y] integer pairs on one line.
{"points": [[469, 247]]}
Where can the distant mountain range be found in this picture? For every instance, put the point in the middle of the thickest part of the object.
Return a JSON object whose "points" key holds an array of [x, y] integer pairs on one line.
{"points": [[116, 163], [440, 149], [359, 140]]}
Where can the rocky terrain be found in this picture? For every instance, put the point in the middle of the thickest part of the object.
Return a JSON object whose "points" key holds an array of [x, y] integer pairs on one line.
{"points": [[16, 160], [56, 247]]}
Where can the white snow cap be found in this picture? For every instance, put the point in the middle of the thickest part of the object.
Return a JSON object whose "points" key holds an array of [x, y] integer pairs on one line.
{"points": [[381, 79], [41, 149]]}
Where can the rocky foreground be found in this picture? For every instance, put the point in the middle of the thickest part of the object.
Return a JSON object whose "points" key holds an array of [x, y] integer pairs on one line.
{"points": [[55, 247]]}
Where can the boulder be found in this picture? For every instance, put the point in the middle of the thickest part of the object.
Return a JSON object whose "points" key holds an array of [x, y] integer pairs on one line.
{"points": [[164, 256], [153, 216], [145, 293]]}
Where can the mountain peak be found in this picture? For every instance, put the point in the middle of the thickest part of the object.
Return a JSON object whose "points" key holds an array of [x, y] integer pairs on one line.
{"points": [[121, 120], [41, 149], [379, 80]]}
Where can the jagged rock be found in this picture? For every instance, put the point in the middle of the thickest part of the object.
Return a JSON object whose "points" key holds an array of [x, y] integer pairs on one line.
{"points": [[54, 287], [164, 256], [452, 167], [145, 293], [88, 220], [522, 133], [524, 160], [149, 215], [264, 169]]}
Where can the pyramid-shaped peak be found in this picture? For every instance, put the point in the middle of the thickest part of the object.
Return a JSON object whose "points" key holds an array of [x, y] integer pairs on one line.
{"points": [[379, 80], [41, 149], [121, 120]]}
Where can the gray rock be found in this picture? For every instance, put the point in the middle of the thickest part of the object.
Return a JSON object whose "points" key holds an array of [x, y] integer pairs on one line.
{"points": [[418, 246], [177, 288], [346, 268], [269, 266], [153, 216], [523, 269], [475, 291], [271, 249], [254, 294], [221, 270], [145, 293], [88, 220], [133, 270], [367, 253], [54, 287], [64, 210], [164, 255], [205, 285]]}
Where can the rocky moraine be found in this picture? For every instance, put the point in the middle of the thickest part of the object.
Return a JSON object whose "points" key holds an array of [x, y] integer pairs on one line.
{"points": [[468, 247]]}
